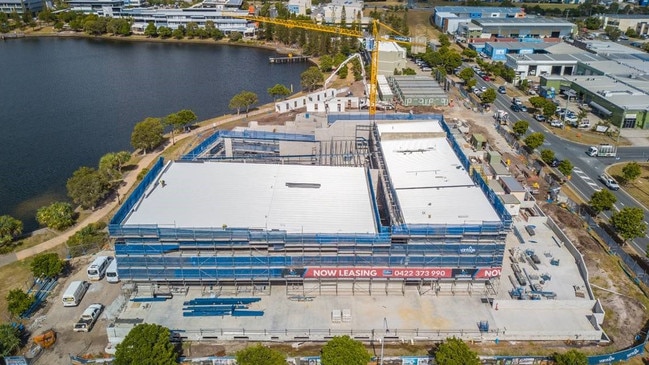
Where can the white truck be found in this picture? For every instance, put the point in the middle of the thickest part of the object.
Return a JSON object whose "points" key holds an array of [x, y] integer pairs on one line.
{"points": [[603, 150], [501, 116], [88, 318]]}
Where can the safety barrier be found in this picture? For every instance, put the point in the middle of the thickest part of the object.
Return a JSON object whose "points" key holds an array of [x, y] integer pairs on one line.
{"points": [[40, 289], [135, 196]]}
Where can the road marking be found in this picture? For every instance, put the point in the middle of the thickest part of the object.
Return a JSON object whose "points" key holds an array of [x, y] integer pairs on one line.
{"points": [[586, 178]]}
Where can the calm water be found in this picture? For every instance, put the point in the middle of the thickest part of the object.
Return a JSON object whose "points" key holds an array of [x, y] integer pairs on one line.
{"points": [[66, 102]]}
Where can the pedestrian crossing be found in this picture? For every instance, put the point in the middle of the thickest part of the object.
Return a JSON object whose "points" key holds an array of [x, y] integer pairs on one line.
{"points": [[577, 171]]}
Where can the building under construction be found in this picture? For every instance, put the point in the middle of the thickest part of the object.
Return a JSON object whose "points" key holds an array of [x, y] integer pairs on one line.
{"points": [[356, 204]]}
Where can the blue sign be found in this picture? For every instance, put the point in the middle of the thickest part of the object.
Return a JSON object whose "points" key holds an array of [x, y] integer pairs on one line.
{"points": [[623, 355]]}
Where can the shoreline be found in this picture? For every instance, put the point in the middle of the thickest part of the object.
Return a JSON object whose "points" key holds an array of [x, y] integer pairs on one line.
{"points": [[206, 123], [280, 49]]}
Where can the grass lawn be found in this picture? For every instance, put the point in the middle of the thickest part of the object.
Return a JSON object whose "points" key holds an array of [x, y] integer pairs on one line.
{"points": [[586, 137], [639, 189], [15, 275]]}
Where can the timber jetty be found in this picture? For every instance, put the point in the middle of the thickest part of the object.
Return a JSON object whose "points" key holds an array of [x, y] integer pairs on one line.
{"points": [[290, 59]]}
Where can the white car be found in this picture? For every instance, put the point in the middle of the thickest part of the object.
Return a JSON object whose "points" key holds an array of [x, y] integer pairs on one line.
{"points": [[556, 123], [609, 182], [483, 88], [540, 117], [570, 118]]}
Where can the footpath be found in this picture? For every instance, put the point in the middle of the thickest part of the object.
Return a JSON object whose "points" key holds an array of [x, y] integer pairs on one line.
{"points": [[129, 181]]}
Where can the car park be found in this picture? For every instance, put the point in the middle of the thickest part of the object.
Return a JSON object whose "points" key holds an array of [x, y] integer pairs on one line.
{"points": [[539, 117], [502, 90], [556, 123]]}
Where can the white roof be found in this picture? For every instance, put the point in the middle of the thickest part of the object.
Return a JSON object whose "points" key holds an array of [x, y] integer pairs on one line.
{"points": [[431, 184], [308, 199]]}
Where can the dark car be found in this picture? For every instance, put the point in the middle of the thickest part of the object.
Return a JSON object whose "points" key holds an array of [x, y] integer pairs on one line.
{"points": [[555, 162], [502, 90], [518, 108]]}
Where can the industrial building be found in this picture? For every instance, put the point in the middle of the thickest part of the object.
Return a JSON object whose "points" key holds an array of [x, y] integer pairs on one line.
{"points": [[623, 22], [394, 201], [531, 27], [447, 18], [418, 90]]}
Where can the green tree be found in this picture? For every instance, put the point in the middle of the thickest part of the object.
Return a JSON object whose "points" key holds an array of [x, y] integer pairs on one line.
{"points": [[18, 301], [549, 108], [454, 351], [311, 78], [244, 99], [151, 31], [91, 236], [87, 187], [9, 339], [488, 96], [572, 357], [179, 121], [343, 350], [235, 37], [147, 344], [534, 140], [10, 228], [164, 32], [260, 355], [47, 265], [592, 23], [613, 33], [631, 171], [326, 63], [629, 223], [565, 167], [58, 215], [279, 91], [630, 32], [114, 160], [602, 200], [547, 156], [443, 40], [466, 74], [147, 134], [469, 53], [471, 83], [178, 33], [520, 128]]}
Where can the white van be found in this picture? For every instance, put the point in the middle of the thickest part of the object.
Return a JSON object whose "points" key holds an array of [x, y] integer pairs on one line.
{"points": [[73, 294], [111, 272], [97, 269]]}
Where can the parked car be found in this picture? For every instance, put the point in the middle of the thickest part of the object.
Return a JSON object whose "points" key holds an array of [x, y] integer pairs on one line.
{"points": [[517, 101], [486, 78], [539, 117], [502, 90], [570, 118], [483, 88], [556, 123]]}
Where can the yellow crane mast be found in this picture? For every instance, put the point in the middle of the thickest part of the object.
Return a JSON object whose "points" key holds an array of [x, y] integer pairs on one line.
{"points": [[341, 31]]}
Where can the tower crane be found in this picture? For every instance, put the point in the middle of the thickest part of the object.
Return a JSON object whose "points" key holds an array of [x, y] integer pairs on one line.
{"points": [[341, 31]]}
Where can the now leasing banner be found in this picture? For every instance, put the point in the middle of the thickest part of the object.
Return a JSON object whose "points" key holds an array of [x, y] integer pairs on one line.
{"points": [[411, 272]]}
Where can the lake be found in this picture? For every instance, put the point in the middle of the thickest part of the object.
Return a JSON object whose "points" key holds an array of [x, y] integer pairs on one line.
{"points": [[65, 102]]}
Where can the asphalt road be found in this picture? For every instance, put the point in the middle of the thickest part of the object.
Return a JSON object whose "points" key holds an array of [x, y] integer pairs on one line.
{"points": [[587, 169]]}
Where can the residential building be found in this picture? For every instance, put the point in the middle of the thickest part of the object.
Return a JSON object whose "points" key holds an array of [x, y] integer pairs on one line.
{"points": [[20, 6]]}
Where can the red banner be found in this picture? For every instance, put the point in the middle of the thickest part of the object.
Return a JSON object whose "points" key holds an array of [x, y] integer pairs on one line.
{"points": [[384, 272]]}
